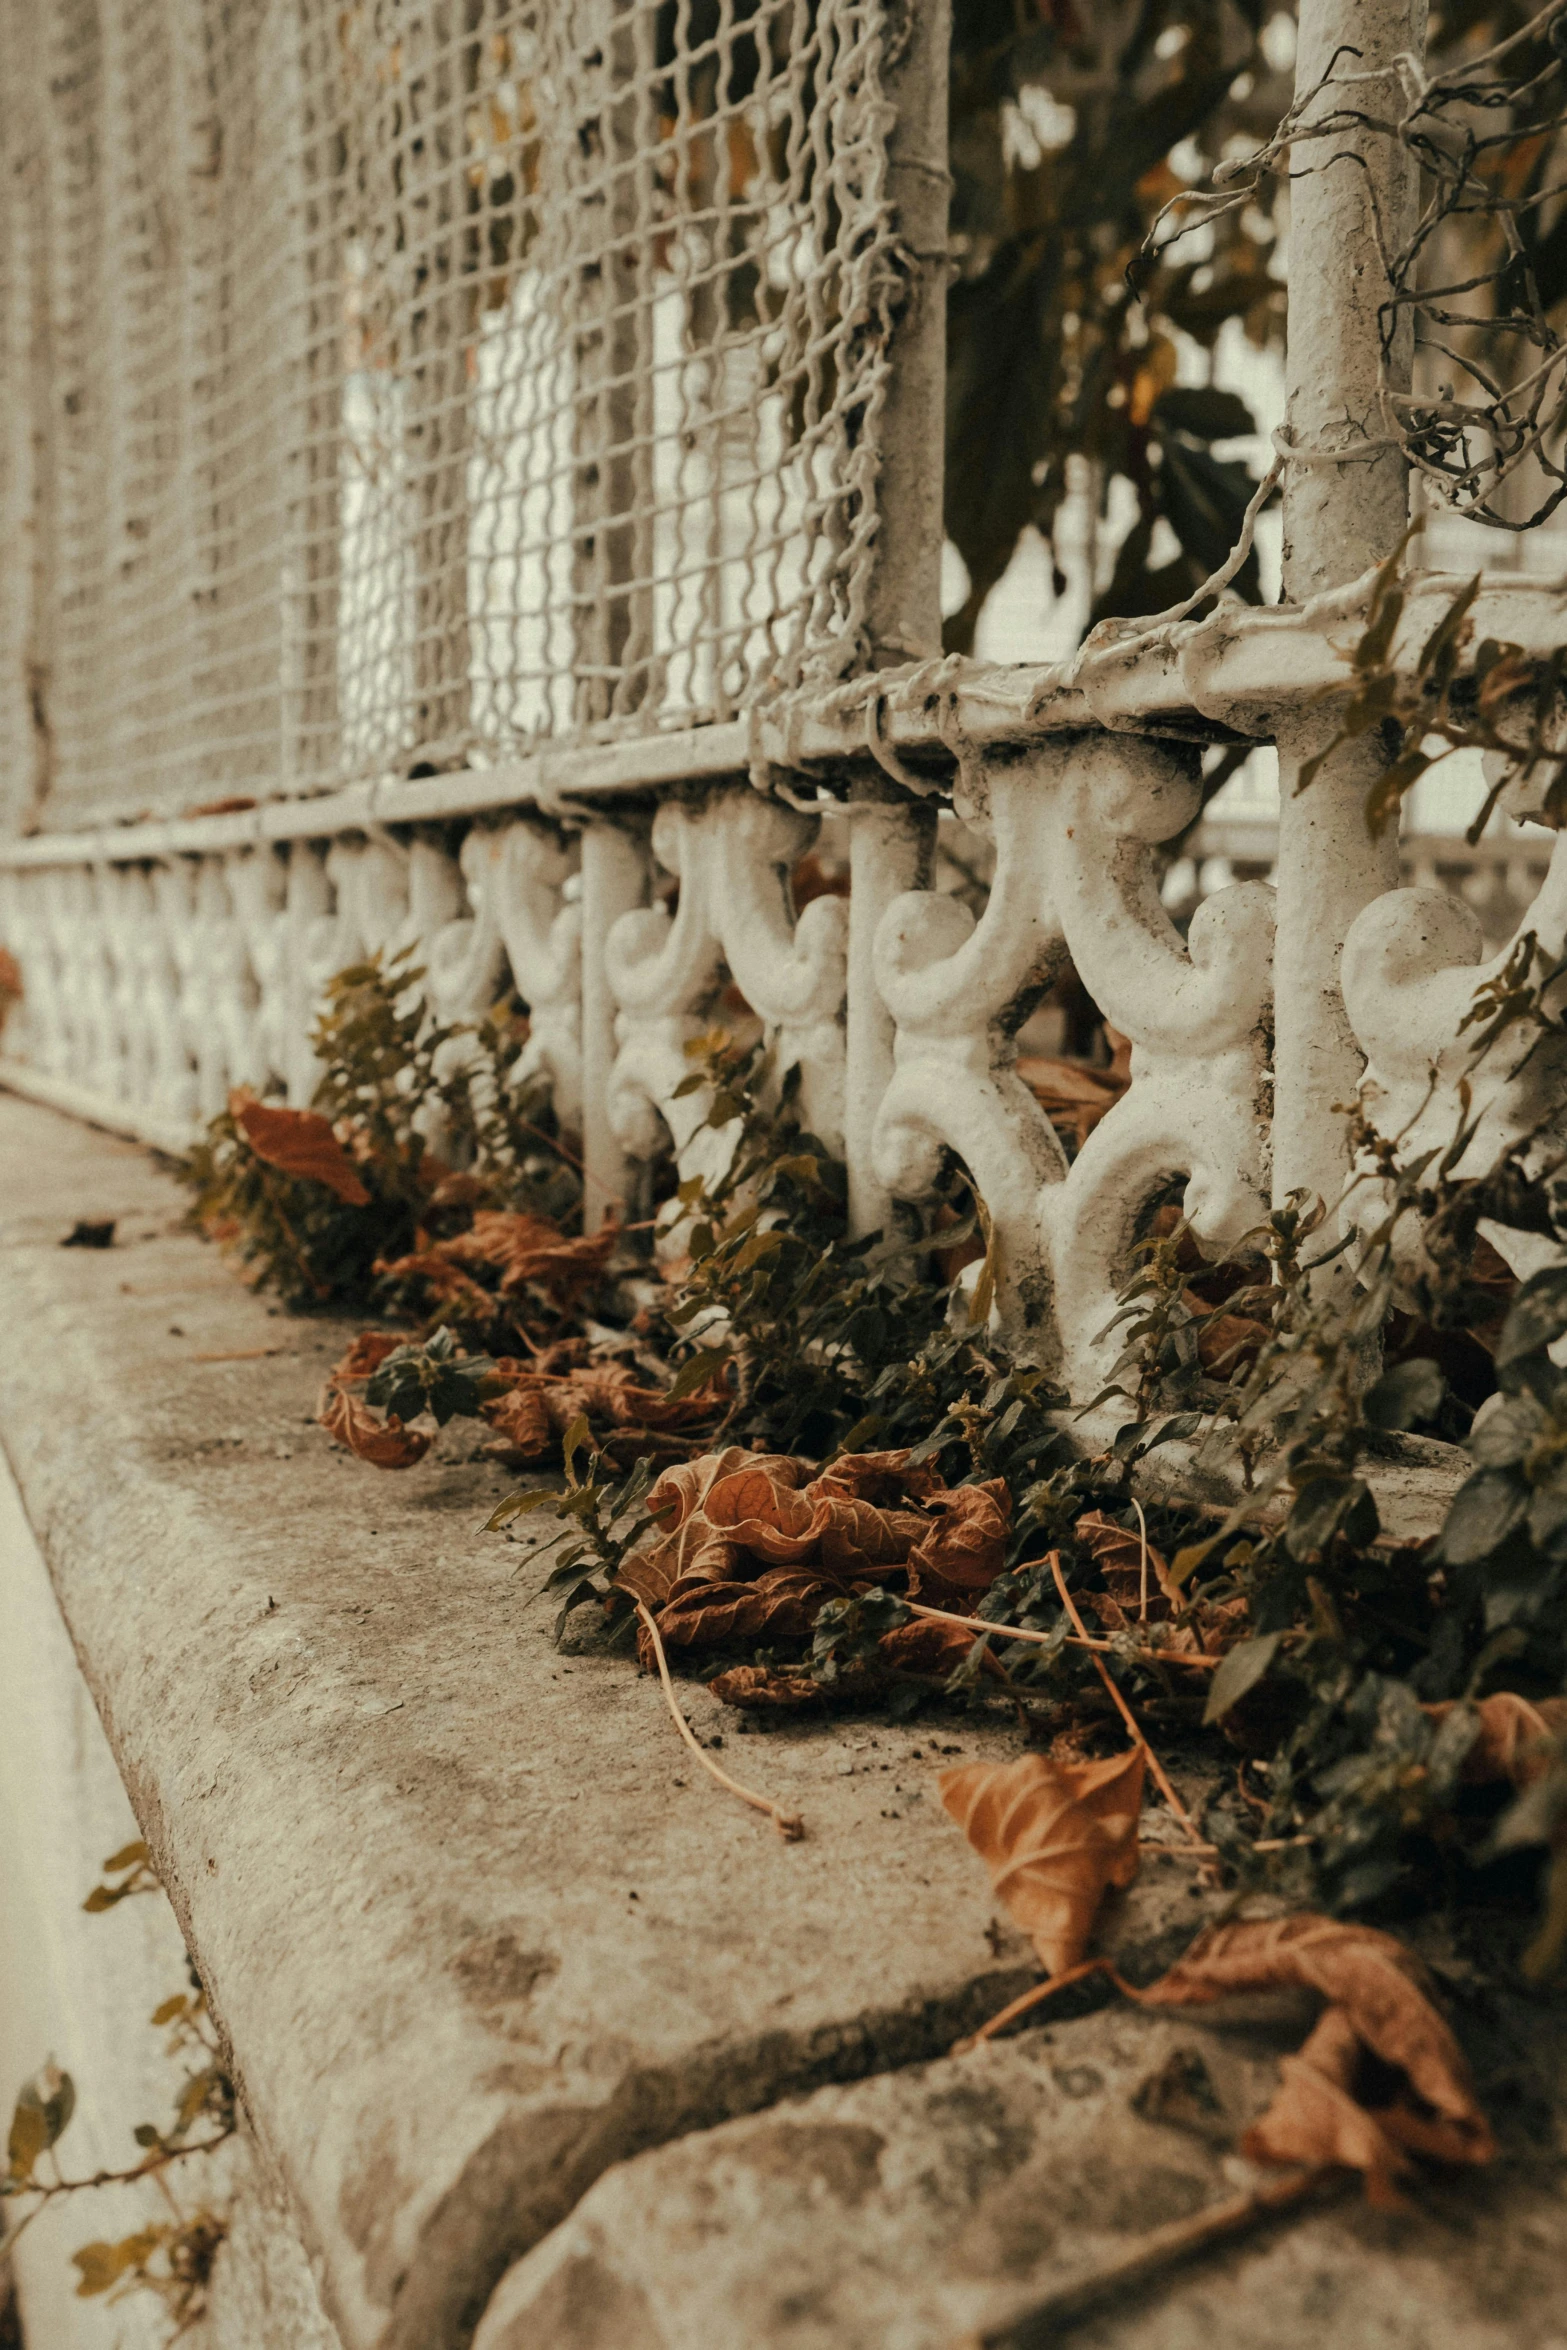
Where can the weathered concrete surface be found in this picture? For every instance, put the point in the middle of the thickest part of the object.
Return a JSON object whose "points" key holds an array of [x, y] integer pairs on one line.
{"points": [[472, 1922], [82, 1988], [898, 2213]]}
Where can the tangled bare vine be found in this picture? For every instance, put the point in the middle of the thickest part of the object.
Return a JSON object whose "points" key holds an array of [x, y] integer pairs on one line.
{"points": [[1476, 276]]}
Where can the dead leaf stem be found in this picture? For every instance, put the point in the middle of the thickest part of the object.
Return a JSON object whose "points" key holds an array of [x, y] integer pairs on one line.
{"points": [[1198, 1662], [790, 1826], [1142, 1587], [1126, 1713], [1148, 2257], [153, 2167]]}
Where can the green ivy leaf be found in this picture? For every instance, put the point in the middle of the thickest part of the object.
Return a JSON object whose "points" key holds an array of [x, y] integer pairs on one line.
{"points": [[1245, 1665], [1536, 1318], [102, 2265], [1403, 1395], [517, 1505], [1504, 1430], [1484, 1512], [705, 1364]]}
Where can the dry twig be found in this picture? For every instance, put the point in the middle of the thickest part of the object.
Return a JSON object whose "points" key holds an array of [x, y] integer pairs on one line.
{"points": [[1039, 2325], [790, 1826], [1125, 1711]]}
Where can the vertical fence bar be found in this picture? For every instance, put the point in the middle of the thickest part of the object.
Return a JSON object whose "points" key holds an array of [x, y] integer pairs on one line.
{"points": [[614, 882], [891, 851], [1340, 517], [441, 328]]}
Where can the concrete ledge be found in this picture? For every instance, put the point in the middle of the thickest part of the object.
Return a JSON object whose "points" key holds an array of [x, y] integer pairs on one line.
{"points": [[472, 1931]]}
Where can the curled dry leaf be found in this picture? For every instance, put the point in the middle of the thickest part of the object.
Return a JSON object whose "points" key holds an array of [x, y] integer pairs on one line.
{"points": [[1227, 1344], [764, 1688], [699, 1614], [385, 1444], [933, 1649], [447, 1289], [1054, 1836], [771, 1543], [1383, 1998], [1118, 1551], [1073, 1095], [965, 1550], [532, 1248], [298, 1143], [1316, 2118], [520, 1249], [539, 1405], [365, 1357], [868, 1515], [1515, 1735]]}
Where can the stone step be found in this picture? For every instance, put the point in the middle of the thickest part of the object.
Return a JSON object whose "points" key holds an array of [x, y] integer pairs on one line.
{"points": [[936, 2207]]}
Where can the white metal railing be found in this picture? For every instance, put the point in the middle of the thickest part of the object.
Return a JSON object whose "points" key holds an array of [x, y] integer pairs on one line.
{"points": [[165, 961]]}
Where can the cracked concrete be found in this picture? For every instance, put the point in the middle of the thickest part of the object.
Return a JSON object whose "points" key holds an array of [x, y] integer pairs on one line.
{"points": [[907, 2212], [472, 1925]]}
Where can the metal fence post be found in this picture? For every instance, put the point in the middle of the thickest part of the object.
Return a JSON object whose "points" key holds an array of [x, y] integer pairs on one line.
{"points": [[614, 881], [1341, 515], [891, 851]]}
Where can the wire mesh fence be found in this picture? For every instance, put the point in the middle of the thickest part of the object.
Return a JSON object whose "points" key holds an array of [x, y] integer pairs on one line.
{"points": [[390, 383]]}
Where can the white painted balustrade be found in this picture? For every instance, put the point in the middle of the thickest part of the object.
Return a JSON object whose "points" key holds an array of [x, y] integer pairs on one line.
{"points": [[632, 888], [164, 965]]}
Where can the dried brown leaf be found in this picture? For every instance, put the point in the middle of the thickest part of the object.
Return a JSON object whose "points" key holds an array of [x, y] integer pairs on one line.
{"points": [[298, 1143], [867, 1516], [1054, 1836], [1118, 1550], [523, 1248], [1514, 1735], [966, 1549], [449, 1289], [1228, 1344], [1382, 1990], [700, 1614], [1315, 2117], [385, 1444], [1071, 1094], [539, 1406], [368, 1352], [928, 1647], [764, 1688], [523, 1418]]}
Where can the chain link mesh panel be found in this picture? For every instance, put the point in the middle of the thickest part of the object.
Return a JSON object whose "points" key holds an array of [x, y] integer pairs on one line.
{"points": [[390, 385]]}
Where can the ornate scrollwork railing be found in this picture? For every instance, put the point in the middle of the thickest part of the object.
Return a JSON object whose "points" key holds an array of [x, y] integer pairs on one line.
{"points": [[164, 964]]}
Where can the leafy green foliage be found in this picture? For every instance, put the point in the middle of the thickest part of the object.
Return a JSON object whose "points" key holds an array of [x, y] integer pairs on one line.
{"points": [[434, 1124], [1492, 698], [435, 1377], [171, 2258], [1064, 120], [132, 1865], [1341, 1652], [1359, 1640], [847, 1631], [808, 1320], [602, 1518]]}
